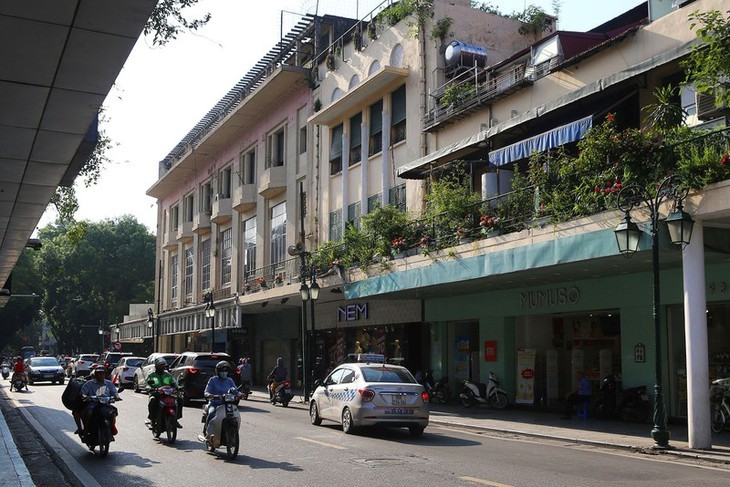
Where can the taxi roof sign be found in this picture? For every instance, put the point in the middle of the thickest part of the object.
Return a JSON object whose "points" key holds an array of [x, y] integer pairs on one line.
{"points": [[366, 358]]}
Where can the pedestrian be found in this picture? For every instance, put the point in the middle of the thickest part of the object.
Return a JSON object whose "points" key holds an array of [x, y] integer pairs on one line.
{"points": [[580, 395]]}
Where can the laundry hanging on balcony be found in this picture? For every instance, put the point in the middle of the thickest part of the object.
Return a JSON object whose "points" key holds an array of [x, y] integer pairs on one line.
{"points": [[540, 143]]}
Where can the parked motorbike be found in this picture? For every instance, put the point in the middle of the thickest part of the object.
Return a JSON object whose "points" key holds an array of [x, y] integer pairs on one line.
{"points": [[480, 393], [166, 420], [282, 394], [6, 370], [223, 429], [438, 391], [630, 404], [18, 382], [245, 391], [101, 428]]}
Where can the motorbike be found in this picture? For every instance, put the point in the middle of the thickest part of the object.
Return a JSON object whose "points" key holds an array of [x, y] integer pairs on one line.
{"points": [[480, 393], [18, 382], [282, 394], [166, 420], [223, 429], [6, 370], [630, 404], [438, 390], [245, 391], [102, 429]]}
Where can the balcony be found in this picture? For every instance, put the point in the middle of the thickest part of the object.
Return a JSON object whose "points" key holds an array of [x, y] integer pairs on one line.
{"points": [[244, 197], [169, 239], [201, 223], [273, 181], [185, 232], [222, 211]]}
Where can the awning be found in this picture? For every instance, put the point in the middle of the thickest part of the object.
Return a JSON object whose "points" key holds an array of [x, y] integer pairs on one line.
{"points": [[414, 169], [541, 143]]}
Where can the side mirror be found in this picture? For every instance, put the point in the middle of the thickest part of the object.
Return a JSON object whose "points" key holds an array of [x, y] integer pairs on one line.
{"points": [[317, 383]]}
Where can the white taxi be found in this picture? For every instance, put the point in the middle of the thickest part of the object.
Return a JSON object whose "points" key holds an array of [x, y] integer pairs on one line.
{"points": [[369, 392]]}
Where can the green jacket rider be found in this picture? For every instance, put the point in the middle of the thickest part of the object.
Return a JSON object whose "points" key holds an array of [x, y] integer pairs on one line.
{"points": [[159, 378]]}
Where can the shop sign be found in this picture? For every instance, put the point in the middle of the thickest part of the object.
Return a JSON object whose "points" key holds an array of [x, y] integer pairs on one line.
{"points": [[639, 353], [546, 298], [352, 312], [490, 351]]}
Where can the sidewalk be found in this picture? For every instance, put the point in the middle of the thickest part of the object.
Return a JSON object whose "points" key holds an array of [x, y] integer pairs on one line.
{"points": [[15, 473], [550, 425]]}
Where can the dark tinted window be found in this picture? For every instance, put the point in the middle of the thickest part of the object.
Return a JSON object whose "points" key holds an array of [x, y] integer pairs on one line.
{"points": [[169, 359], [386, 374], [43, 362], [348, 376], [133, 362], [206, 362]]}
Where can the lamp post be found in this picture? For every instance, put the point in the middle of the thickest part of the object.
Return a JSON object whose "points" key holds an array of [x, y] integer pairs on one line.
{"points": [[101, 339], [628, 236], [210, 314], [151, 325]]}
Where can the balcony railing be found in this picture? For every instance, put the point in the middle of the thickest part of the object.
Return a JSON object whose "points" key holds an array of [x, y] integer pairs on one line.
{"points": [[244, 197], [185, 232], [272, 275], [222, 210], [201, 223], [272, 181]]}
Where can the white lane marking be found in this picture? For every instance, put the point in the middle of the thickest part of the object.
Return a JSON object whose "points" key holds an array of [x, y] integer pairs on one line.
{"points": [[483, 482], [321, 443]]}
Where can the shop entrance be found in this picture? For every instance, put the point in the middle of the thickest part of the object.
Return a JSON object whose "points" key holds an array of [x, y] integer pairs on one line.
{"points": [[556, 349]]}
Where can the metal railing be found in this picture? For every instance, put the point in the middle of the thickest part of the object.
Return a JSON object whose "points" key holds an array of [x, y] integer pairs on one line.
{"points": [[269, 276]]}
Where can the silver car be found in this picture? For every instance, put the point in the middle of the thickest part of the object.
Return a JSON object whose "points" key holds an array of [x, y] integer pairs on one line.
{"points": [[82, 364], [370, 393], [139, 381], [123, 373]]}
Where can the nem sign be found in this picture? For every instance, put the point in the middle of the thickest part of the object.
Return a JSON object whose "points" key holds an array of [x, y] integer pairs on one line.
{"points": [[352, 312]]}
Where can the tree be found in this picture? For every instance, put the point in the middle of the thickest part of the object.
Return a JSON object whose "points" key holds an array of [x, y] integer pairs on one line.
{"points": [[168, 21], [708, 65], [91, 272], [19, 314]]}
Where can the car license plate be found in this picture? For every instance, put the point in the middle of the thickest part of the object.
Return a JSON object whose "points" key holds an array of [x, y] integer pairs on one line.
{"points": [[48, 376], [398, 411], [398, 401]]}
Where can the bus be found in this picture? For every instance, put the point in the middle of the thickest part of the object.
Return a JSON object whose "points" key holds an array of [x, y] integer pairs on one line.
{"points": [[27, 352]]}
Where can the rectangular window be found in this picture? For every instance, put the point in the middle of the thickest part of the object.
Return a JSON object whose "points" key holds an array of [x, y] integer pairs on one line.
{"points": [[188, 208], [249, 248], [335, 226], [249, 167], [224, 183], [276, 149], [353, 215], [398, 112], [206, 202], [205, 265], [397, 197], [278, 233], [336, 150], [188, 272], [174, 218], [303, 140], [355, 139], [374, 202], [174, 274], [226, 252], [376, 128]]}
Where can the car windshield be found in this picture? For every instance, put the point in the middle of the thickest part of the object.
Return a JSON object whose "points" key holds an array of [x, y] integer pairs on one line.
{"points": [[134, 362], [169, 359], [43, 361], [386, 374]]}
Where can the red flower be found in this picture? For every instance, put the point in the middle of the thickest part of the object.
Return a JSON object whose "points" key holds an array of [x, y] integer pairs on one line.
{"points": [[610, 117], [725, 159]]}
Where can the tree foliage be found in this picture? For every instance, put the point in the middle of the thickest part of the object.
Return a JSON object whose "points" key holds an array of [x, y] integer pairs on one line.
{"points": [[91, 272], [18, 316], [708, 65], [168, 20]]}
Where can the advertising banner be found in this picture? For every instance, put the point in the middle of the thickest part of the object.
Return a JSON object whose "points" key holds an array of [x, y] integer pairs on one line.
{"points": [[525, 376], [462, 358]]}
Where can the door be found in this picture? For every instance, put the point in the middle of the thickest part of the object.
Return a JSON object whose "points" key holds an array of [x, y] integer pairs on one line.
{"points": [[342, 392], [324, 400]]}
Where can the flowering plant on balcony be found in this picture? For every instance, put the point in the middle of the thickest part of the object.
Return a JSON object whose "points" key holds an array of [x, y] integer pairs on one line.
{"points": [[279, 279], [462, 233], [398, 245], [336, 263], [262, 281], [425, 242], [611, 187]]}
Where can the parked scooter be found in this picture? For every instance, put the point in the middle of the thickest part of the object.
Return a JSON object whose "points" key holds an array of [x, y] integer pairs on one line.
{"points": [[166, 420], [19, 381], [437, 391], [6, 370], [102, 429], [245, 391], [480, 393], [629, 404], [282, 394], [223, 429]]}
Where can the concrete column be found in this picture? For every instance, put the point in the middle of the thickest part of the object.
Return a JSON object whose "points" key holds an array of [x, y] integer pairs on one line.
{"points": [[695, 333], [364, 149], [386, 152], [345, 175]]}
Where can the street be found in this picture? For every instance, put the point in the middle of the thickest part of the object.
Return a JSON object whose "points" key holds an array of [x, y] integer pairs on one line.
{"points": [[280, 446]]}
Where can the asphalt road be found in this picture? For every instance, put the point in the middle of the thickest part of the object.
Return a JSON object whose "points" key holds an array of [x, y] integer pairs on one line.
{"points": [[279, 447]]}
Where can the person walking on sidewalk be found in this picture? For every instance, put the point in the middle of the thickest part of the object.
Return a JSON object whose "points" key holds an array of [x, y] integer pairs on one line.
{"points": [[577, 396]]}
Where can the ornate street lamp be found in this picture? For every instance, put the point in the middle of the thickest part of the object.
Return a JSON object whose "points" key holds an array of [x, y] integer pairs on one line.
{"points": [[627, 237], [152, 327], [210, 314]]}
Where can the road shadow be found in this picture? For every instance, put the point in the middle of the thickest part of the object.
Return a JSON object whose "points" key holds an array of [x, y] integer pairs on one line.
{"points": [[431, 436], [259, 463]]}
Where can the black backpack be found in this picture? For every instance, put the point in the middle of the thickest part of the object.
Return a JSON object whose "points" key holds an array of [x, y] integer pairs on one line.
{"points": [[71, 397]]}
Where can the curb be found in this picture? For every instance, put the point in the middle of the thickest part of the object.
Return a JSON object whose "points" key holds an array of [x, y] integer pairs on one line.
{"points": [[65, 461], [19, 466]]}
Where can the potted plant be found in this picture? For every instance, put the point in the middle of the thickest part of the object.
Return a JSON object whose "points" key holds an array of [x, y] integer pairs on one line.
{"points": [[247, 288], [262, 282], [279, 280], [488, 226], [425, 244], [398, 247], [330, 62], [463, 235]]}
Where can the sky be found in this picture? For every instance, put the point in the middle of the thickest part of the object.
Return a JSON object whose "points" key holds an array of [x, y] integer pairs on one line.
{"points": [[162, 92]]}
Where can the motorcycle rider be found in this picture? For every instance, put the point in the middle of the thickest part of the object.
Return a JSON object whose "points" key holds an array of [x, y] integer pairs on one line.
{"points": [[19, 370], [217, 386], [278, 374], [245, 370], [159, 378], [99, 385]]}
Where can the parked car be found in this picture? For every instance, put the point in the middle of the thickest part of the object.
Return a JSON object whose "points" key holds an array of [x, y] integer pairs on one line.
{"points": [[123, 373], [139, 381], [110, 360], [44, 369], [82, 364], [370, 393], [193, 369]]}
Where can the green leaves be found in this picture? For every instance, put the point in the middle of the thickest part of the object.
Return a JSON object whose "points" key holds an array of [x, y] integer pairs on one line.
{"points": [[168, 21], [708, 65]]}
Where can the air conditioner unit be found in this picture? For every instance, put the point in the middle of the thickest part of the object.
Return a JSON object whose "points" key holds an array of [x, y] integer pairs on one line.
{"points": [[707, 106]]}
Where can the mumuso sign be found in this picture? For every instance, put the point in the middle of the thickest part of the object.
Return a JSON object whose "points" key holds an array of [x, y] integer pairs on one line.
{"points": [[352, 312], [544, 298]]}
